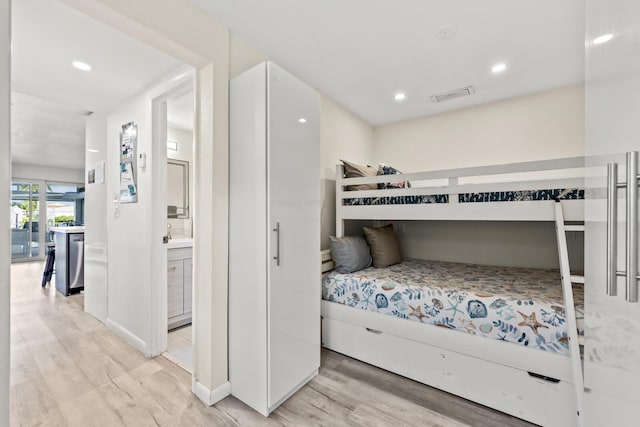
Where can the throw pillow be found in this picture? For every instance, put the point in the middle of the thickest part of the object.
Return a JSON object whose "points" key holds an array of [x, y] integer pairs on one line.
{"points": [[388, 170], [350, 253], [353, 170], [385, 248]]}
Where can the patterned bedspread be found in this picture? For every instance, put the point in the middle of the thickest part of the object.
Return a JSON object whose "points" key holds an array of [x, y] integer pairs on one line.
{"points": [[496, 196], [518, 305]]}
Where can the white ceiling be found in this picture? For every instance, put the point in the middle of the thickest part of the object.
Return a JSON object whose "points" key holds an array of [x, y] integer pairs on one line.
{"points": [[45, 133], [360, 52], [180, 112], [46, 37]]}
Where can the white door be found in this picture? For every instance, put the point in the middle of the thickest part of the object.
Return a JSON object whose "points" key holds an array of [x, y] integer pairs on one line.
{"points": [[5, 187], [294, 214], [612, 347]]}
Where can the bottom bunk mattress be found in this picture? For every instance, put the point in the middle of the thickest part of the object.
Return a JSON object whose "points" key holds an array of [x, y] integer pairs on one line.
{"points": [[519, 305]]}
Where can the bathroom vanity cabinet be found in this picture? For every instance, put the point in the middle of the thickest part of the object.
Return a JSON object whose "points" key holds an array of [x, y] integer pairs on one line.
{"points": [[180, 285]]}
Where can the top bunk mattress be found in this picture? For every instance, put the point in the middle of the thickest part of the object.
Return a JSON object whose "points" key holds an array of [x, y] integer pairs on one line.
{"points": [[519, 305]]}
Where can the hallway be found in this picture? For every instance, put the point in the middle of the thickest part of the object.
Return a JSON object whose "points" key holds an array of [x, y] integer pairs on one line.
{"points": [[69, 369]]}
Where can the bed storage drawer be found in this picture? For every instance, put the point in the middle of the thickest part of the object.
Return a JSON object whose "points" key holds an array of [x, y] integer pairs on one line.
{"points": [[504, 388]]}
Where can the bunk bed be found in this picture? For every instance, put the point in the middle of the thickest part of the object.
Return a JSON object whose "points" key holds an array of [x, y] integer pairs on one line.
{"points": [[508, 359]]}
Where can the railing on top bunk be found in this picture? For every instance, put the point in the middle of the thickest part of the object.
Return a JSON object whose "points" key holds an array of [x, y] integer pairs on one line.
{"points": [[506, 192]]}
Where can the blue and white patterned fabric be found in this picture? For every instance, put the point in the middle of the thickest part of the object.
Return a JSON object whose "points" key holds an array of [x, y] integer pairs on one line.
{"points": [[496, 196], [388, 170], [518, 305], [521, 196], [397, 200]]}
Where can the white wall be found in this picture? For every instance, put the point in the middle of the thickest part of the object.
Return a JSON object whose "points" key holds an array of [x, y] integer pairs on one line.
{"points": [[544, 125], [129, 242], [182, 227], [540, 126], [512, 244], [343, 135], [97, 207], [5, 185], [43, 173]]}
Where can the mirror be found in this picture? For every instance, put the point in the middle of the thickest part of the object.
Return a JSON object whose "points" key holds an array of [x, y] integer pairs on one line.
{"points": [[177, 189]]}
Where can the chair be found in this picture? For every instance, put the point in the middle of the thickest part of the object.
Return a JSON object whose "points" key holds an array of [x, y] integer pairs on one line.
{"points": [[20, 241]]}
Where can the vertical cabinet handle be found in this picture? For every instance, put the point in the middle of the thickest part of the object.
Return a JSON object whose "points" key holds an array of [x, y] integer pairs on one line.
{"points": [[612, 229], [631, 186], [632, 227], [277, 231]]}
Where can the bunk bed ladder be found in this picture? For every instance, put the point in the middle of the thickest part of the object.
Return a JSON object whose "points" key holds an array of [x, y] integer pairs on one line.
{"points": [[567, 290]]}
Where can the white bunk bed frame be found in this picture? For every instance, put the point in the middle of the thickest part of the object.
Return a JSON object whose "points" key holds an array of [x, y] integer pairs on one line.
{"points": [[542, 387]]}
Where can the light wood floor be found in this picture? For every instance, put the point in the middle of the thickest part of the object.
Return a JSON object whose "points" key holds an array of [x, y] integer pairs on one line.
{"points": [[67, 369], [180, 347]]}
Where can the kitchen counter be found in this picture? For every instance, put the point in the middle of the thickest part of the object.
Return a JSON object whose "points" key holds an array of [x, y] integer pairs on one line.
{"points": [[74, 229]]}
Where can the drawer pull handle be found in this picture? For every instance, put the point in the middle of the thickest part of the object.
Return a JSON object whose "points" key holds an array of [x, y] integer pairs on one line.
{"points": [[374, 331], [543, 377]]}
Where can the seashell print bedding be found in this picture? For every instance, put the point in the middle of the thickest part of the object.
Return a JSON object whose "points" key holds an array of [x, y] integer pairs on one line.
{"points": [[518, 305]]}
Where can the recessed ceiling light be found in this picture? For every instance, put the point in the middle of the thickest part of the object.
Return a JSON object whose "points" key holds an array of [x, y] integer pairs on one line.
{"points": [[603, 38], [400, 96], [498, 68], [302, 120], [91, 150], [81, 65]]}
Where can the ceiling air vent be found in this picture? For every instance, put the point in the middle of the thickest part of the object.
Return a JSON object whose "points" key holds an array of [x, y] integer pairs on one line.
{"points": [[458, 93]]}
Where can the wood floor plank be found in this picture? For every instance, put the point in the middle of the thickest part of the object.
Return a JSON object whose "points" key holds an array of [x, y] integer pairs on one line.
{"points": [[90, 410], [31, 399], [67, 369]]}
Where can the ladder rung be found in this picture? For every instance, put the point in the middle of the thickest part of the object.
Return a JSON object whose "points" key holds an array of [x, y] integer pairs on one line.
{"points": [[577, 279], [574, 228]]}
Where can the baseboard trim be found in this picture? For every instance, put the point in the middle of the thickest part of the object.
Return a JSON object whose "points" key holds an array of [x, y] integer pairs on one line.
{"points": [[211, 397], [130, 338]]}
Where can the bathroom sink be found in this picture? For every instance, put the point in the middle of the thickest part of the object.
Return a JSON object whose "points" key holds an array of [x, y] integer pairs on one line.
{"points": [[180, 242]]}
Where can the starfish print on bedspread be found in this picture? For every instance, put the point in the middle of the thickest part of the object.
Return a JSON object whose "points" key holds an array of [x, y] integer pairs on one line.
{"points": [[454, 308], [417, 312], [531, 322]]}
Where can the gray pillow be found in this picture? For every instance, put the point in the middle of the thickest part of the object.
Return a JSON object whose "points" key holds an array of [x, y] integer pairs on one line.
{"points": [[384, 245], [350, 253]]}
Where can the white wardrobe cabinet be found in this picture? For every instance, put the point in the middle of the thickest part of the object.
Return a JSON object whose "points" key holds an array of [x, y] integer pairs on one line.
{"points": [[274, 236]]}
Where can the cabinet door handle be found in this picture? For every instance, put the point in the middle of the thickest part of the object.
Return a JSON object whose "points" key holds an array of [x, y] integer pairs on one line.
{"points": [[631, 272], [612, 228], [632, 227], [277, 231]]}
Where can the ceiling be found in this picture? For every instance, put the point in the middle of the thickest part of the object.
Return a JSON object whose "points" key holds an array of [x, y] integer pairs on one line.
{"points": [[45, 133], [361, 52], [47, 36], [180, 112]]}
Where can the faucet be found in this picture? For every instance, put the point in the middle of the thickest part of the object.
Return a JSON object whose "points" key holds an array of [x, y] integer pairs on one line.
{"points": [[169, 231]]}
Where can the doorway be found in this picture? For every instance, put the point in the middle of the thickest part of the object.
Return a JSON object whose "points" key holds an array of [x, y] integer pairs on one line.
{"points": [[25, 215], [210, 373], [179, 130]]}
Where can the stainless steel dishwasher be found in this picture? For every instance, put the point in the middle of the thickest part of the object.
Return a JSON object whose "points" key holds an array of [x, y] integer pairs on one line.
{"points": [[76, 262], [69, 260]]}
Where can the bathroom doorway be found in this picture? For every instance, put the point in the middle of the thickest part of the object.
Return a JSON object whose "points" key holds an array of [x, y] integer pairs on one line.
{"points": [[180, 196], [173, 125]]}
